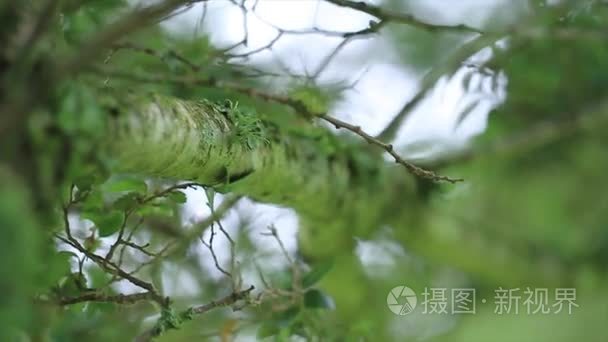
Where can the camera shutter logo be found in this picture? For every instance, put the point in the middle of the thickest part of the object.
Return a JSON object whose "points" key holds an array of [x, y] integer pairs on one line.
{"points": [[401, 300]]}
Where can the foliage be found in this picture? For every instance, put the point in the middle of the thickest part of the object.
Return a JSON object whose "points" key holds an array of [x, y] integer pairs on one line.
{"points": [[113, 124]]}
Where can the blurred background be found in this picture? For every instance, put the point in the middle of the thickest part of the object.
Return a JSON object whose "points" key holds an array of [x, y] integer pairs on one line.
{"points": [[508, 95], [383, 73]]}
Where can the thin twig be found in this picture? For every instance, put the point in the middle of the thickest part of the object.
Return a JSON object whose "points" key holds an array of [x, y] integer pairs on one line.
{"points": [[213, 255], [418, 171], [101, 297], [295, 270], [228, 300], [121, 232], [112, 268], [225, 301], [138, 247]]}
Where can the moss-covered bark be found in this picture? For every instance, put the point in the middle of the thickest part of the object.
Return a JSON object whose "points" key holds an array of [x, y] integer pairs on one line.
{"points": [[340, 194], [233, 150]]}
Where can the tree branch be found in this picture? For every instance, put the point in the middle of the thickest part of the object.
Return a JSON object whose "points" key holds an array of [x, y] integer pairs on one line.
{"points": [[101, 297], [225, 301], [188, 314], [451, 64], [297, 105], [134, 21], [538, 135], [112, 268], [418, 171]]}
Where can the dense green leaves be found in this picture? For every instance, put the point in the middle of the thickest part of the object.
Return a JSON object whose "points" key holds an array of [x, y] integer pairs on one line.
{"points": [[316, 299], [81, 21], [20, 248], [316, 100], [125, 185], [107, 223], [316, 273], [267, 329], [532, 211], [177, 197]]}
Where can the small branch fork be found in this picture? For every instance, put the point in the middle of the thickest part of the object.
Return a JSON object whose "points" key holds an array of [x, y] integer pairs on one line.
{"points": [[233, 275], [225, 301], [108, 265], [281, 298], [187, 314]]}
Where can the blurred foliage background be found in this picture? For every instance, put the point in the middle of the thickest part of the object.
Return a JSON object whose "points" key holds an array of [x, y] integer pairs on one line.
{"points": [[90, 253]]}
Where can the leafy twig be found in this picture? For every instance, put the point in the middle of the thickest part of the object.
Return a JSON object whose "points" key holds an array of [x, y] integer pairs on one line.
{"points": [[114, 269], [131, 22], [188, 314]]}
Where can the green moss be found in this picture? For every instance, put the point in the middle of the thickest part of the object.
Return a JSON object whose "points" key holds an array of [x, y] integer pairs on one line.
{"points": [[322, 176], [248, 129]]}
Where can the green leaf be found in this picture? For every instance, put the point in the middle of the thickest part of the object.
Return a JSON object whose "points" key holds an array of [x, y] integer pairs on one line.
{"points": [[284, 335], [126, 201], [156, 208], [98, 278], [72, 284], [93, 309], [267, 329], [67, 116], [288, 317], [178, 197], [61, 262], [93, 203], [210, 192], [316, 299], [282, 279], [56, 267], [317, 272], [280, 324], [316, 100], [85, 182], [91, 243], [107, 223], [126, 185]]}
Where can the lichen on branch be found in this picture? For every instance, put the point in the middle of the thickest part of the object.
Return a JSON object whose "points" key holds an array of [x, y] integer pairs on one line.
{"points": [[236, 150]]}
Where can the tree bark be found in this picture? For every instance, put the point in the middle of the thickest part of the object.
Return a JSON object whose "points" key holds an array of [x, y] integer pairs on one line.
{"points": [[340, 191]]}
